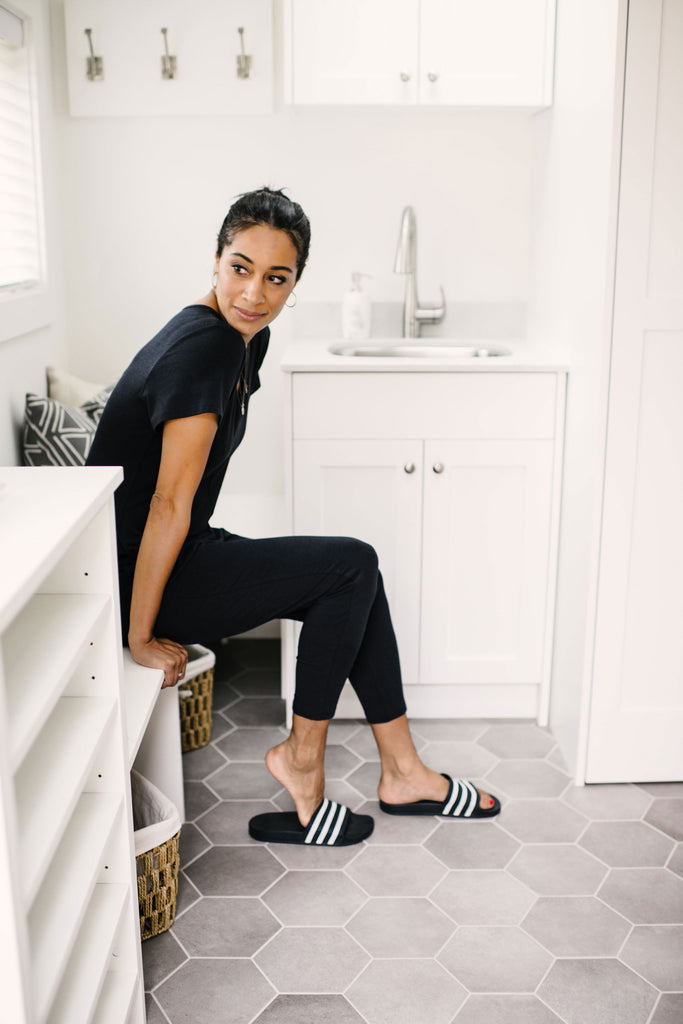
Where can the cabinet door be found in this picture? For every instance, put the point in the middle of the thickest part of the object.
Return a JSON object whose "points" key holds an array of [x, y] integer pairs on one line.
{"points": [[354, 52], [485, 561], [487, 52], [371, 490]]}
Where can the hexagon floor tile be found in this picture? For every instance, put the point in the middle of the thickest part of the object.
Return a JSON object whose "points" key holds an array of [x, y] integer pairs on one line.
{"points": [[406, 992], [400, 928], [507, 1009], [625, 844], [576, 926], [312, 960], [314, 897], [487, 959], [207, 990], [597, 992], [567, 909], [483, 897]]}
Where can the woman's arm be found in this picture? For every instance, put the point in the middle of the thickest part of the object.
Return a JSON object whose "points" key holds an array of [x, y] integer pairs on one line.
{"points": [[184, 452]]}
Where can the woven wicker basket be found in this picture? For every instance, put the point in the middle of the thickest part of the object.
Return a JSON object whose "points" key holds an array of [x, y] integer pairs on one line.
{"points": [[195, 695], [158, 887], [156, 836]]}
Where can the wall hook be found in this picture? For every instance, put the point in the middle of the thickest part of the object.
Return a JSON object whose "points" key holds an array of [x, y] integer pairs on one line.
{"points": [[169, 64], [94, 66], [243, 61]]}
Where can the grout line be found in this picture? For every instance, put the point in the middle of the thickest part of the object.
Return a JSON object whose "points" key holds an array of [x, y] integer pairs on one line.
{"points": [[169, 975], [654, 1009], [545, 1003], [159, 1007]]}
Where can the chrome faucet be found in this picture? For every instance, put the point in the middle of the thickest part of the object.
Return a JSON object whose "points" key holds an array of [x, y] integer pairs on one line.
{"points": [[414, 315]]}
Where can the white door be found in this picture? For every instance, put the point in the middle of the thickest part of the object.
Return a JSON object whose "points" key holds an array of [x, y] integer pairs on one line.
{"points": [[354, 52], [371, 490], [495, 53], [487, 526], [636, 719]]}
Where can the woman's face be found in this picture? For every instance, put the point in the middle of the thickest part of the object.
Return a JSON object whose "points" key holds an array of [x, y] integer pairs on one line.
{"points": [[256, 276]]}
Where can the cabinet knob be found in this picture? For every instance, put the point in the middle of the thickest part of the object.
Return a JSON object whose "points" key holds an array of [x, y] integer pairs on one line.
{"points": [[409, 467], [405, 77], [438, 467], [432, 76]]}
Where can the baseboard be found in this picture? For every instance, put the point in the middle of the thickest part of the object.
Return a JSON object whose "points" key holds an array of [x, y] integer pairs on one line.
{"points": [[456, 701]]}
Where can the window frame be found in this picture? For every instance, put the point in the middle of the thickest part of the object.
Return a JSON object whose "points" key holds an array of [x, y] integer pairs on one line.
{"points": [[28, 307]]}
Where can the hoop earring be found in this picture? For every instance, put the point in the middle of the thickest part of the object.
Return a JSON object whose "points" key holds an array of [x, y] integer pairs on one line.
{"points": [[214, 280], [292, 296]]}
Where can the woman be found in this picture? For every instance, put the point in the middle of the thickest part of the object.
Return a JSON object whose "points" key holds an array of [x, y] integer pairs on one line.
{"points": [[174, 419]]}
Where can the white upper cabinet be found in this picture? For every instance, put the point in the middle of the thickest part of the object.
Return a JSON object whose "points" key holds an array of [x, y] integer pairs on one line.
{"points": [[471, 53]]}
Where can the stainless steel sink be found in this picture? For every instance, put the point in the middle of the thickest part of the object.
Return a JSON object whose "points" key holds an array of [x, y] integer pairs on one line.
{"points": [[420, 351]]}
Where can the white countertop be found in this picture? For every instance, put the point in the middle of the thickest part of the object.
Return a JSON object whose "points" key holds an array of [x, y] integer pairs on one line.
{"points": [[315, 357]]}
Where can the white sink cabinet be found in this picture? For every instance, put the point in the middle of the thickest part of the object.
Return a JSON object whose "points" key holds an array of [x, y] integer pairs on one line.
{"points": [[424, 52], [454, 479]]}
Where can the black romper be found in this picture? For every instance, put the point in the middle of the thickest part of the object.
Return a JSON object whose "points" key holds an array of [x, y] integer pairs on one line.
{"points": [[223, 584]]}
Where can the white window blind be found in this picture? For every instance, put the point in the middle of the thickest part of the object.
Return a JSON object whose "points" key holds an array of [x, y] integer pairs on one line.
{"points": [[20, 263]]}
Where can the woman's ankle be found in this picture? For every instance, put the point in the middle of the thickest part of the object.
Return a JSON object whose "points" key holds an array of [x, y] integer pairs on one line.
{"points": [[298, 764]]}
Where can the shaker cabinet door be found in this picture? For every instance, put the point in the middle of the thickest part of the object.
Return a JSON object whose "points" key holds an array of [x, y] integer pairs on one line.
{"points": [[487, 526], [354, 52], [371, 490], [487, 52]]}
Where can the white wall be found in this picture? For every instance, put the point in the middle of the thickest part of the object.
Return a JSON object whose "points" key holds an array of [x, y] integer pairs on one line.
{"points": [[23, 357], [143, 198], [22, 369], [574, 237]]}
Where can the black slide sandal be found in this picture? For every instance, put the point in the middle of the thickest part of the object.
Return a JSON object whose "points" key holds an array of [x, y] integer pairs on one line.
{"points": [[332, 824], [462, 801]]}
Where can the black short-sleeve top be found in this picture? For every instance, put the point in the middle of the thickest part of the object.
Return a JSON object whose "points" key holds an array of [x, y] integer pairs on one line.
{"points": [[192, 366]]}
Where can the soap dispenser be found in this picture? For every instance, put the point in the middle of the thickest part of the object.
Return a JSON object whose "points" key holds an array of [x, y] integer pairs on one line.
{"points": [[356, 310]]}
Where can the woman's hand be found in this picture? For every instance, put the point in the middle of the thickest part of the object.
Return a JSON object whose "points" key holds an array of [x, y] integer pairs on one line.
{"points": [[164, 654]]}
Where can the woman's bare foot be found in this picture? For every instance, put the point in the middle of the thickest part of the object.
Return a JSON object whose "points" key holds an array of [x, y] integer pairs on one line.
{"points": [[405, 778], [423, 784], [298, 765]]}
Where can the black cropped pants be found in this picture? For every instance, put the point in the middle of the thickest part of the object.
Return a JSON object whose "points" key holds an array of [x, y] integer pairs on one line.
{"points": [[223, 584]]}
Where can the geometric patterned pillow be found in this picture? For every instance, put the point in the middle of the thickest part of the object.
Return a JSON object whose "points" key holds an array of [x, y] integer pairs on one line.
{"points": [[57, 434], [95, 405]]}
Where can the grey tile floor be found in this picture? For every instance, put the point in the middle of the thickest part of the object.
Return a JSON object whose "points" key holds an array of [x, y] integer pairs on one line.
{"points": [[567, 908]]}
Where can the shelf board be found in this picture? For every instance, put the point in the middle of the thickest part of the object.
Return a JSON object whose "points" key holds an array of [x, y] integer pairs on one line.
{"points": [[116, 998], [85, 973], [31, 542], [37, 672], [50, 780], [59, 907], [141, 688]]}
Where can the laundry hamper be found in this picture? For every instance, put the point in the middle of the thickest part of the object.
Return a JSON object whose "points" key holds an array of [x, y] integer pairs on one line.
{"points": [[157, 831], [195, 693]]}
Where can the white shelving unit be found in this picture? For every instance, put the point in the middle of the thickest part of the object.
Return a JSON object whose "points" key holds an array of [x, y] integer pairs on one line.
{"points": [[69, 928]]}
